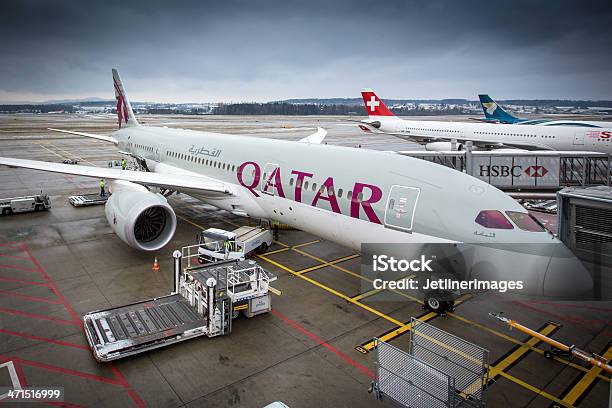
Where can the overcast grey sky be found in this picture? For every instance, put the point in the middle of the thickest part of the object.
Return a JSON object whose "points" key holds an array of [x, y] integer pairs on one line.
{"points": [[267, 50]]}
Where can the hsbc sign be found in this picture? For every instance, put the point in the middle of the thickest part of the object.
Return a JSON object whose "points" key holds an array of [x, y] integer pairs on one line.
{"points": [[517, 171]]}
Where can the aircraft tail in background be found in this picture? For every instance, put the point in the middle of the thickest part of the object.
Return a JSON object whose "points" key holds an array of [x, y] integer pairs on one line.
{"points": [[374, 106], [494, 112]]}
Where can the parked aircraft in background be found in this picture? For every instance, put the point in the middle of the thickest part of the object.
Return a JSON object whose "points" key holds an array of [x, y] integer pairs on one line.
{"points": [[495, 113], [441, 136], [346, 195]]}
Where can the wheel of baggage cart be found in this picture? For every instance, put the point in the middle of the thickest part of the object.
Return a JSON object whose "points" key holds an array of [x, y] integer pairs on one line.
{"points": [[263, 248]]}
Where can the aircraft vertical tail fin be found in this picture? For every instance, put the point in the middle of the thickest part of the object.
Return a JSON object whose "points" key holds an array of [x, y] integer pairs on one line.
{"points": [[125, 115], [374, 106], [493, 111]]}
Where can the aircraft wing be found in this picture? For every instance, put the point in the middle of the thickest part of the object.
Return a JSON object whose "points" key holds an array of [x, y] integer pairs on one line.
{"points": [[167, 180], [495, 144], [92, 135]]}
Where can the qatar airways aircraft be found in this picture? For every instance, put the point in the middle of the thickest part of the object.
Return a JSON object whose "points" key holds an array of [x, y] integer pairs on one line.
{"points": [[346, 195], [439, 136]]}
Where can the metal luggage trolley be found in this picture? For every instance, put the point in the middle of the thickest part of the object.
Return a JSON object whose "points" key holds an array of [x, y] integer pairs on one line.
{"points": [[439, 370]]}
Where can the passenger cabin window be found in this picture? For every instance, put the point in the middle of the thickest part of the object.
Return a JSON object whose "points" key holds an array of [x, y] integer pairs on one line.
{"points": [[493, 219]]}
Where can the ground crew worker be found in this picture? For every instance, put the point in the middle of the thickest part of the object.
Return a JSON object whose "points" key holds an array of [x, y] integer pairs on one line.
{"points": [[228, 246], [123, 164], [102, 185]]}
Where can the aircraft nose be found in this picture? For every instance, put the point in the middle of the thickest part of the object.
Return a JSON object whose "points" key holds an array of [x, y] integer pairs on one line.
{"points": [[566, 276]]}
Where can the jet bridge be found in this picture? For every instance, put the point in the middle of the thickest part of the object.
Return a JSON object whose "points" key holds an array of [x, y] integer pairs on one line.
{"points": [[204, 301], [526, 172]]}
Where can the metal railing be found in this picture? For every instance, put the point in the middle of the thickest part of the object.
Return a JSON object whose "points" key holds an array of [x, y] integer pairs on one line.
{"points": [[195, 258], [467, 363], [409, 381], [258, 281], [439, 370]]}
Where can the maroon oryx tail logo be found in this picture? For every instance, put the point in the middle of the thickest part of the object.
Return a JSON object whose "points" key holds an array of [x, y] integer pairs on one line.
{"points": [[122, 110]]}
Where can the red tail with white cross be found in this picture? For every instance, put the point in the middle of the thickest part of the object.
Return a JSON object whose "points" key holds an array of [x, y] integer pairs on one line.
{"points": [[374, 106]]}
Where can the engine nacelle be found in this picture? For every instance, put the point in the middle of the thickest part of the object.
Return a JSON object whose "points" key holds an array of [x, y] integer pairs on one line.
{"points": [[443, 146], [142, 219]]}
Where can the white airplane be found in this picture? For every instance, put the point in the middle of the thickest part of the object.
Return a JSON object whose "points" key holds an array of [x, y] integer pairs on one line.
{"points": [[346, 195], [440, 136]]}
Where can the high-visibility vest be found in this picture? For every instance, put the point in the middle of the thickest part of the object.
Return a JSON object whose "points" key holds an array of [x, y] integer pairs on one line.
{"points": [[102, 184]]}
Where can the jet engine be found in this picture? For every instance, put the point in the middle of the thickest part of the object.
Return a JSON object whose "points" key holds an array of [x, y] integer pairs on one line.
{"points": [[442, 146], [142, 219]]}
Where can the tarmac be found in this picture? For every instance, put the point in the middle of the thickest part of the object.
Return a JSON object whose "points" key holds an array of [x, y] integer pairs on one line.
{"points": [[316, 348]]}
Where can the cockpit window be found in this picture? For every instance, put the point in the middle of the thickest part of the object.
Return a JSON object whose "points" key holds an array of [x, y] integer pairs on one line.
{"points": [[493, 219], [525, 221]]}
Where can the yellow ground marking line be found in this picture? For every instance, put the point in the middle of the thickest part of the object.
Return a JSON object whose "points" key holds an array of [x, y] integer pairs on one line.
{"points": [[465, 320], [520, 343], [389, 318], [585, 382], [375, 291], [49, 150], [392, 334], [190, 222], [277, 251], [499, 368], [288, 248], [369, 346], [73, 155], [533, 389], [522, 350], [333, 291], [326, 264], [358, 276], [315, 241]]}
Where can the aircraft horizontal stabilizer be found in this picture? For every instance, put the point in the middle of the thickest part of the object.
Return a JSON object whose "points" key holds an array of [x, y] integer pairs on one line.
{"points": [[315, 138]]}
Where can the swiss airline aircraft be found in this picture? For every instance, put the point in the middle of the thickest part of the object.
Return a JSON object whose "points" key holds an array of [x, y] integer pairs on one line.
{"points": [[346, 195], [440, 135]]}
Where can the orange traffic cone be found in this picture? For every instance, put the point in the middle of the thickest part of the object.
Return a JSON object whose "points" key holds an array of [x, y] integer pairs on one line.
{"points": [[155, 265]]}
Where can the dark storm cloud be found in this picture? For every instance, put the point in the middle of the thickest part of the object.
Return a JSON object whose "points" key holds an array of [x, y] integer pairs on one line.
{"points": [[245, 50]]}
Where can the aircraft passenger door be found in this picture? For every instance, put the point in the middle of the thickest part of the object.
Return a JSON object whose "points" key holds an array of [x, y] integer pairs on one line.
{"points": [[579, 137], [401, 206], [268, 179]]}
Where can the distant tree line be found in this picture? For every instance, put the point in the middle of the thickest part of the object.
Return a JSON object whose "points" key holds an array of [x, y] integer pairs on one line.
{"points": [[284, 108], [36, 108], [544, 103]]}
